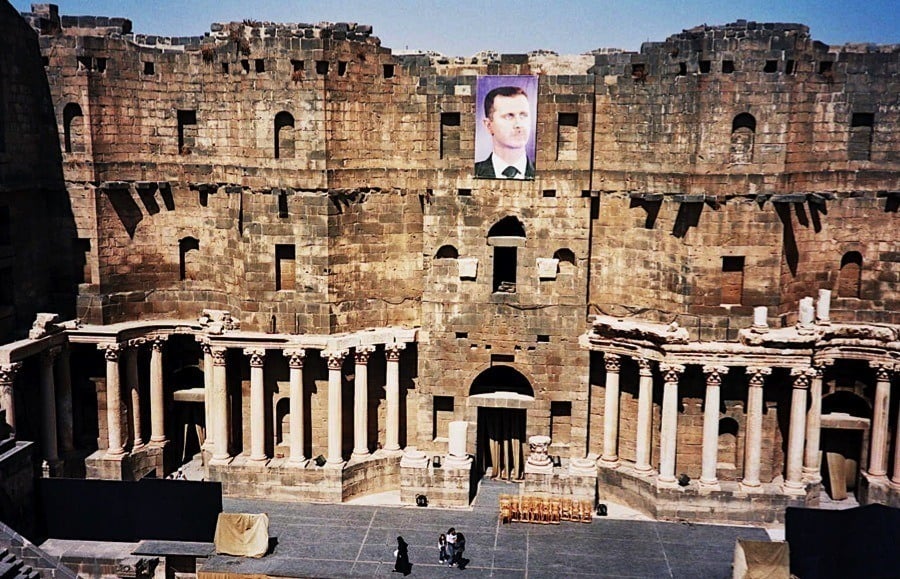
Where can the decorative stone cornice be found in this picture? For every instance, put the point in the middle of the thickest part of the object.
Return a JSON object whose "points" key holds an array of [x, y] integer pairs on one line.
{"points": [[613, 363], [295, 357]]}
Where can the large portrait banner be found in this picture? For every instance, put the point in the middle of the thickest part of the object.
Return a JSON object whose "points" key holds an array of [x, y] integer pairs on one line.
{"points": [[505, 124]]}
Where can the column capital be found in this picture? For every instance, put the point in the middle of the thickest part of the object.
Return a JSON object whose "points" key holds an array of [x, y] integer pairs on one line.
{"points": [[758, 375], [883, 371], [206, 348], [645, 367], [219, 354], [671, 372], [392, 351], [111, 351], [257, 356], [819, 367], [156, 342], [715, 374], [135, 343], [362, 354], [613, 362], [8, 373], [335, 358], [295, 357], [802, 377]]}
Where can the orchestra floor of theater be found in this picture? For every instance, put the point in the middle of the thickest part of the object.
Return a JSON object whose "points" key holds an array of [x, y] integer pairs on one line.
{"points": [[359, 540]]}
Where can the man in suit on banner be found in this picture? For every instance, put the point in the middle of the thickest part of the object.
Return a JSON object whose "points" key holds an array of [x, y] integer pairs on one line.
{"points": [[507, 117]]}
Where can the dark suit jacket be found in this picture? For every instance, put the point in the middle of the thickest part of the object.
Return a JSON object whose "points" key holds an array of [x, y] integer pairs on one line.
{"points": [[485, 169]]}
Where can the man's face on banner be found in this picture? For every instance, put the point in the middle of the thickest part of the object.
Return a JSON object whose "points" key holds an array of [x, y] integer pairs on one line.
{"points": [[510, 122]]}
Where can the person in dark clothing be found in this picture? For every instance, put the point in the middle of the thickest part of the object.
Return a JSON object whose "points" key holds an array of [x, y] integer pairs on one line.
{"points": [[402, 565], [460, 548]]}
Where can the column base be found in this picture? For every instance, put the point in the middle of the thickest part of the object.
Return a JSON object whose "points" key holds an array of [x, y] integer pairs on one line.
{"points": [[793, 488], [257, 461], [667, 481], [360, 455], [335, 464], [753, 487], [115, 453], [643, 469], [710, 485], [392, 451], [609, 462], [811, 475], [220, 460], [137, 447], [299, 462], [163, 441]]}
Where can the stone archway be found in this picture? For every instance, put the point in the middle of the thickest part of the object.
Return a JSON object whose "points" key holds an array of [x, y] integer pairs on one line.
{"points": [[844, 439], [502, 395]]}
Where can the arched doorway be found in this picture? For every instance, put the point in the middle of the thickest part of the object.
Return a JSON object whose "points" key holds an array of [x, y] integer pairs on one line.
{"points": [[502, 395], [845, 436]]}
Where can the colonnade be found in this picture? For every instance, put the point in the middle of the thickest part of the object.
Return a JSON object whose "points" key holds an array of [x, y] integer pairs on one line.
{"points": [[215, 357], [802, 457]]}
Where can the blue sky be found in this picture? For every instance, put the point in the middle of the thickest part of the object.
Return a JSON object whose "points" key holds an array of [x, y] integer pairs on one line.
{"points": [[463, 27]]}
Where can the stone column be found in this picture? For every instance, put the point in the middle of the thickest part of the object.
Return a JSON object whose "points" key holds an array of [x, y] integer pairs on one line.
{"points": [[753, 444], [113, 400], [295, 362], [220, 409], [392, 434], [645, 412], [257, 404], [895, 479], [335, 361], [131, 376], [797, 429], [669, 428], [64, 417], [7, 396], [209, 402], [457, 457], [361, 401], [610, 456], [48, 407], [878, 451], [811, 467], [157, 393], [714, 375]]}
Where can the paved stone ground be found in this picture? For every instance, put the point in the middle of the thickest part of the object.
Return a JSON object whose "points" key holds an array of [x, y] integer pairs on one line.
{"points": [[349, 540]]}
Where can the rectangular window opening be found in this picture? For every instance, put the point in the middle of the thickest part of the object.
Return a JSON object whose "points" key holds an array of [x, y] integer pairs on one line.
{"points": [[861, 128], [462, 335], [727, 66], [101, 65], [187, 131], [638, 72], [567, 137], [705, 66], [388, 71], [342, 68], [826, 67], [45, 60], [149, 68], [464, 192], [245, 65], [561, 422], [83, 254], [503, 359], [549, 193], [282, 205], [259, 65], [321, 67], [771, 66], [85, 63], [224, 68], [285, 267], [442, 416], [450, 135], [732, 280], [543, 338], [505, 264], [789, 67], [682, 68]]}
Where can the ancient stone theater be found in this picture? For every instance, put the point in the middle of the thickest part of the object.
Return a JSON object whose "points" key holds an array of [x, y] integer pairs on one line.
{"points": [[288, 253]]}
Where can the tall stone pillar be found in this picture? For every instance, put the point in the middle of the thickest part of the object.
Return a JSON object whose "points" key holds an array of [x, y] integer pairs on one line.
{"points": [[220, 408], [295, 363], [610, 455], [335, 361], [811, 467], [878, 451], [714, 375], [669, 428], [209, 402], [797, 429], [753, 445], [64, 416], [113, 399], [392, 434], [48, 407], [645, 412], [361, 401], [895, 478], [7, 396], [157, 392], [133, 384], [257, 404]]}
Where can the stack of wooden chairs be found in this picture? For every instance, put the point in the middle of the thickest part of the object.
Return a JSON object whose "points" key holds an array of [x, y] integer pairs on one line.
{"points": [[543, 510]]}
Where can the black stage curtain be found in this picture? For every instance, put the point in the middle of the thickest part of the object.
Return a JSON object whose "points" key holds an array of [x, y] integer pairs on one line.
{"points": [[503, 433], [860, 542], [99, 510]]}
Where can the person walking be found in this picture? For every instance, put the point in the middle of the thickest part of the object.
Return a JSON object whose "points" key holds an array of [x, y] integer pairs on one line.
{"points": [[451, 546], [442, 545], [401, 565], [459, 550]]}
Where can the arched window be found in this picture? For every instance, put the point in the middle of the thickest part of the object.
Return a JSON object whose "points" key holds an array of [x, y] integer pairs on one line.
{"points": [[743, 129], [849, 277], [728, 436], [73, 128], [506, 236], [189, 262], [284, 135], [566, 260], [446, 252]]}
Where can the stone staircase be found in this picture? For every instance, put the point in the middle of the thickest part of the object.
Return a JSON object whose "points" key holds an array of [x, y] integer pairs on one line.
{"points": [[20, 559]]}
